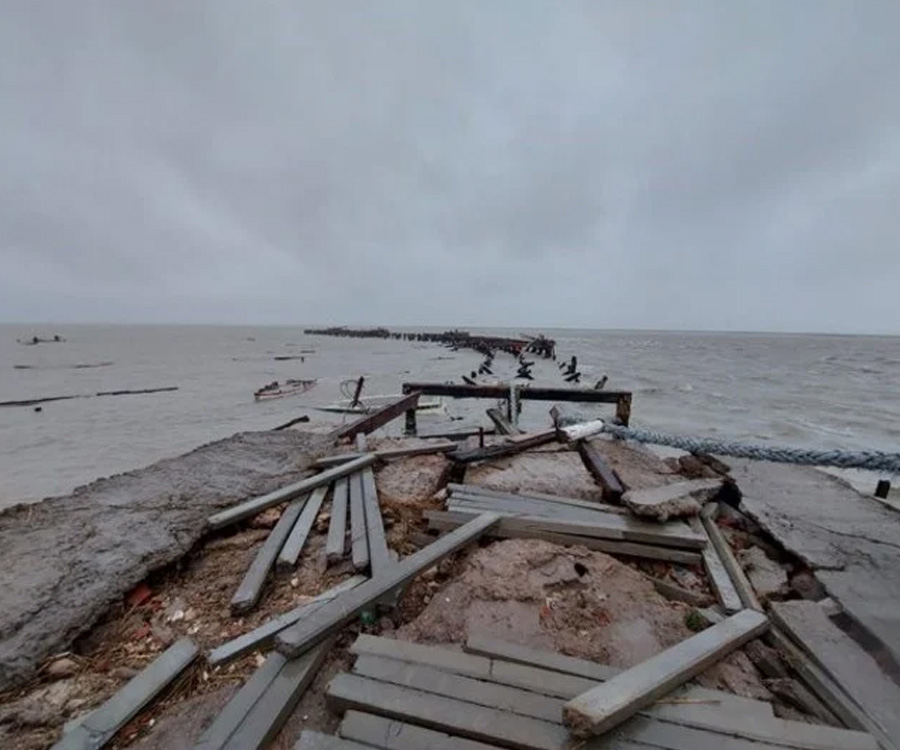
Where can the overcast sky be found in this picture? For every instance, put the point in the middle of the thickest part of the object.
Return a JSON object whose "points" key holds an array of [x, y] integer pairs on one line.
{"points": [[714, 165]]}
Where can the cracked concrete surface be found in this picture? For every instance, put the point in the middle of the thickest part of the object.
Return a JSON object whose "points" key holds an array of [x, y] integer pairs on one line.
{"points": [[66, 559], [850, 540]]}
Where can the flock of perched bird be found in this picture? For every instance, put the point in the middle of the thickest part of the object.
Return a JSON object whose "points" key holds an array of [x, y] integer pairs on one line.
{"points": [[569, 371]]}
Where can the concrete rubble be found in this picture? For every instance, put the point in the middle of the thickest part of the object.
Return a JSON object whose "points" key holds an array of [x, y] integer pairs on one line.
{"points": [[506, 602]]}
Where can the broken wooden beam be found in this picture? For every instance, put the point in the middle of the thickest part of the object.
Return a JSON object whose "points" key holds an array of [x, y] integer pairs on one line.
{"points": [[291, 423], [719, 579], [601, 471], [336, 541], [293, 545], [258, 504], [604, 526], [359, 541], [250, 589], [857, 673], [371, 422], [729, 561], [458, 435], [474, 490], [503, 425], [512, 446], [99, 726], [379, 558], [260, 637], [526, 392], [609, 704], [389, 453], [335, 614], [511, 528]]}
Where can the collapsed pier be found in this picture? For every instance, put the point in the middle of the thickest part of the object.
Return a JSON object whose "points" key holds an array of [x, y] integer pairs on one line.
{"points": [[523, 590]]}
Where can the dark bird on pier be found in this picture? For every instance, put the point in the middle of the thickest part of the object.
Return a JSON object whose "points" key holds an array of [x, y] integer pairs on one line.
{"points": [[601, 384], [468, 380], [574, 377]]}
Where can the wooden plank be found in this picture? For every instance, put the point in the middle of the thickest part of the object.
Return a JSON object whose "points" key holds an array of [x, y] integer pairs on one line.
{"points": [[509, 529], [731, 717], [601, 471], [250, 589], [371, 422], [828, 691], [447, 659], [348, 691], [293, 545], [474, 490], [526, 393], [607, 705], [537, 508], [377, 731], [389, 453], [545, 506], [729, 561], [98, 727], [235, 711], [258, 504], [336, 541], [379, 558], [265, 719], [494, 648], [719, 579], [310, 740], [858, 675], [503, 425], [509, 448], [338, 612], [260, 637], [607, 526], [359, 541], [439, 682]]}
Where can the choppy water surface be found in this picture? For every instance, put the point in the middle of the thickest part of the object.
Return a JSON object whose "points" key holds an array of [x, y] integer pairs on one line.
{"points": [[819, 391]]}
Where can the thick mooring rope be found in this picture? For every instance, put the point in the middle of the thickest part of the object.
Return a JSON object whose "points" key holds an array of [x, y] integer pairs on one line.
{"points": [[872, 460]]}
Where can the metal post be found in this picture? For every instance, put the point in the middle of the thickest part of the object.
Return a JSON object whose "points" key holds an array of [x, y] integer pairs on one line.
{"points": [[410, 426]]}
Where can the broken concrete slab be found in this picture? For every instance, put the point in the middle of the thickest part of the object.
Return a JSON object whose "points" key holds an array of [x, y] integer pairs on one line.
{"points": [[48, 600], [851, 541], [677, 500], [767, 577]]}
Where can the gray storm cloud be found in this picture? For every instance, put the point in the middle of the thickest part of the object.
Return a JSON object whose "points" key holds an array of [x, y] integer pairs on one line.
{"points": [[599, 164]]}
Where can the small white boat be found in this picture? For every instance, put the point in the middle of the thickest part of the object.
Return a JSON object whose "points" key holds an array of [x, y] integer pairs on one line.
{"points": [[290, 387], [373, 403]]}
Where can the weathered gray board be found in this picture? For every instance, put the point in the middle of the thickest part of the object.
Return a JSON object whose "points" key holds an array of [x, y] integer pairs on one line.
{"points": [[378, 731], [851, 540], [845, 661], [444, 446], [260, 637], [258, 504], [729, 561], [293, 545], [612, 526], [538, 671], [359, 541], [336, 541], [611, 703], [347, 692], [473, 491], [335, 614], [267, 715], [250, 589], [235, 711], [719, 579], [731, 716], [532, 507], [379, 557], [96, 729], [510, 528]]}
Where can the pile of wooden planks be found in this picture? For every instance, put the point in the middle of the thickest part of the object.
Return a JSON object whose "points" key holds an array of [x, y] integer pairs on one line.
{"points": [[497, 694], [570, 521]]}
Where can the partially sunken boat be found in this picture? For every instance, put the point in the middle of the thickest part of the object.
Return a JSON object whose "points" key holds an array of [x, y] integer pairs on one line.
{"points": [[290, 387]]}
